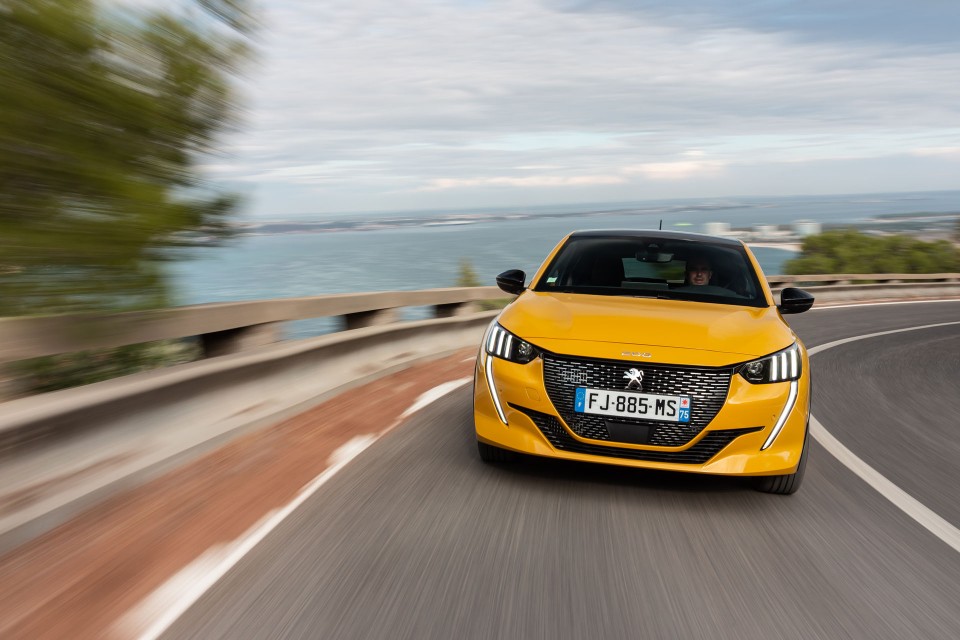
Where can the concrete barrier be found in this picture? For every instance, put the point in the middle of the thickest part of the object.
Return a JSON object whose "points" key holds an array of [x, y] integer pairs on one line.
{"points": [[63, 451], [818, 279], [222, 328], [66, 450], [888, 290], [225, 328]]}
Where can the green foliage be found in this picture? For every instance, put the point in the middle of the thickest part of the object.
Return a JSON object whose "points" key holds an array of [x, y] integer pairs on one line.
{"points": [[468, 278], [468, 275], [50, 373], [104, 115], [849, 251]]}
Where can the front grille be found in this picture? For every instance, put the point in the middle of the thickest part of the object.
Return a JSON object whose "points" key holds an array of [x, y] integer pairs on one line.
{"points": [[709, 446], [707, 387]]}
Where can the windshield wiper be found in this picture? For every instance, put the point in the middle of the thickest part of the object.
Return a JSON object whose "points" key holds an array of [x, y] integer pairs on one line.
{"points": [[659, 295]]}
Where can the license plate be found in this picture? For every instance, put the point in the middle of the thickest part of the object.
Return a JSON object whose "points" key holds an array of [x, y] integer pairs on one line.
{"points": [[630, 404]]}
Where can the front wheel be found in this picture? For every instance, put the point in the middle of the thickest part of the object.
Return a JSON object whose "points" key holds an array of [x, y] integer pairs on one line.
{"points": [[789, 483]]}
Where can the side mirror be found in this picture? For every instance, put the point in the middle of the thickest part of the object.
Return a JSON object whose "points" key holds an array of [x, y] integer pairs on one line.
{"points": [[512, 281], [794, 300]]}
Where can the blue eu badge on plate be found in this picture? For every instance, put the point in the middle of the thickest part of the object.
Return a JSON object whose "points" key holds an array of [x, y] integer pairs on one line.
{"points": [[580, 400]]}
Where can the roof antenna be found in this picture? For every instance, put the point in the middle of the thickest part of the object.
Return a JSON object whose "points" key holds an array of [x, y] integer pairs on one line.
{"points": [[661, 224]]}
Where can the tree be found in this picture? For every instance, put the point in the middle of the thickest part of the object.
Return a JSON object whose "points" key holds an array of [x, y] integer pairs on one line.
{"points": [[104, 115], [850, 251], [468, 275]]}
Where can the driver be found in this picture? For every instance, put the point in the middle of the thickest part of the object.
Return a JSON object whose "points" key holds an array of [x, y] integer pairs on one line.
{"points": [[699, 271]]}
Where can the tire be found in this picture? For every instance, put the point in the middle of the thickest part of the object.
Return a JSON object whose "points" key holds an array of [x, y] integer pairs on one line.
{"points": [[786, 484], [494, 455]]}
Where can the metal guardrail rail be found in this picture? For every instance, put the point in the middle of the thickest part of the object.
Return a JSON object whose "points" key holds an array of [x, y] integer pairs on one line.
{"points": [[224, 328]]}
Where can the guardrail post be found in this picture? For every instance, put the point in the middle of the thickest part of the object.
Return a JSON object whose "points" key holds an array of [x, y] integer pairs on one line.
{"points": [[10, 387], [235, 326], [221, 343], [369, 318], [454, 309]]}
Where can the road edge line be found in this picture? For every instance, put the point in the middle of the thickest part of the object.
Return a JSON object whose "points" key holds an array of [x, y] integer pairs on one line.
{"points": [[212, 565], [922, 514], [909, 505]]}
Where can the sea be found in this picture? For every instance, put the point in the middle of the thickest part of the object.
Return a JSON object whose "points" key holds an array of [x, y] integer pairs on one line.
{"points": [[313, 255]]}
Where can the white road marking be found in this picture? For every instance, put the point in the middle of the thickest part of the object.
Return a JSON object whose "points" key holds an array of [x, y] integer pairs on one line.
{"points": [[836, 343], [900, 498], [158, 611], [905, 502], [434, 394]]}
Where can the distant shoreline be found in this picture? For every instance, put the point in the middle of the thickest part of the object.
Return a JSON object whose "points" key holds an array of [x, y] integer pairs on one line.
{"points": [[795, 247]]}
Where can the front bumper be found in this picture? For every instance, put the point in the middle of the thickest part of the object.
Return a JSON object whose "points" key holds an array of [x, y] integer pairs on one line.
{"points": [[731, 444]]}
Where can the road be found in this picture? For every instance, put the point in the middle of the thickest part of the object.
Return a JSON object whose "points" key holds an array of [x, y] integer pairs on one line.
{"points": [[416, 538]]}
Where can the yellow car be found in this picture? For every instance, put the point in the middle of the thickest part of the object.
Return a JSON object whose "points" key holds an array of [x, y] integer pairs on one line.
{"points": [[648, 349]]}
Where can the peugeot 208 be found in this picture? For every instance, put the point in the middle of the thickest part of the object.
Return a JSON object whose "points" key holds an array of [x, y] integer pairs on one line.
{"points": [[648, 349]]}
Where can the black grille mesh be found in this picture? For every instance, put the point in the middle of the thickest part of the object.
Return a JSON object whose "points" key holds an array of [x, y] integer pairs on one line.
{"points": [[707, 388], [709, 446]]}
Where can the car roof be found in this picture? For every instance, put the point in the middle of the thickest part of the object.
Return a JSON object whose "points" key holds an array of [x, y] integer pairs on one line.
{"points": [[654, 233]]}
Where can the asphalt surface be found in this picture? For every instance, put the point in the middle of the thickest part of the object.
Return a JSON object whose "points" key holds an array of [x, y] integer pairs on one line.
{"points": [[416, 538]]}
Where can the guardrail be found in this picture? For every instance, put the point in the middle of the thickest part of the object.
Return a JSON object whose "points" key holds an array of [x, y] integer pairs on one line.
{"points": [[224, 328], [860, 287], [69, 449], [854, 278], [66, 450]]}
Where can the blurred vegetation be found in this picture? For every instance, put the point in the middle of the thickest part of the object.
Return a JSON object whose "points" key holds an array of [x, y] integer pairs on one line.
{"points": [[50, 373], [106, 112], [467, 277], [104, 116], [850, 251]]}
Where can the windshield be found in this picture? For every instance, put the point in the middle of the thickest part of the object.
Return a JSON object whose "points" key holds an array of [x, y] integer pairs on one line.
{"points": [[654, 267]]}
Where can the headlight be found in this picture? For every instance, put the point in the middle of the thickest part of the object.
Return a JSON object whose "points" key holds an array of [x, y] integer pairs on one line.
{"points": [[503, 344], [778, 367]]}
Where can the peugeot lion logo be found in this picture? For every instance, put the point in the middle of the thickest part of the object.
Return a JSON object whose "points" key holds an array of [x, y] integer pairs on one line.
{"points": [[635, 377]]}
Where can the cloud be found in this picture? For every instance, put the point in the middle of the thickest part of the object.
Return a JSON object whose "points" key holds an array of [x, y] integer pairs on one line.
{"points": [[927, 24], [948, 152], [440, 184], [372, 98], [679, 170]]}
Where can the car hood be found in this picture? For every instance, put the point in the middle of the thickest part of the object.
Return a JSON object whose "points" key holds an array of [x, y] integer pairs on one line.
{"points": [[646, 328]]}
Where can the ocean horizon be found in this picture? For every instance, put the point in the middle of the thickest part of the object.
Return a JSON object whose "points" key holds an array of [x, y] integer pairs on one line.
{"points": [[422, 254]]}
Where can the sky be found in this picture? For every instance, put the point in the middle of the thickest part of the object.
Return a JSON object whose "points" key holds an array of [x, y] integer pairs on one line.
{"points": [[392, 105]]}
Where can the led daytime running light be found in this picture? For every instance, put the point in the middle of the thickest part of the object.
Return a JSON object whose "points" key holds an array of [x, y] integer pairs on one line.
{"points": [[784, 414], [492, 386]]}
